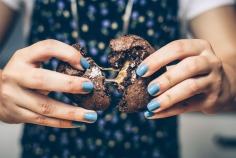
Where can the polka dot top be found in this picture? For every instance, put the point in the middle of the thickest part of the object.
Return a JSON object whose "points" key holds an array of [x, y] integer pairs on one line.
{"points": [[115, 134]]}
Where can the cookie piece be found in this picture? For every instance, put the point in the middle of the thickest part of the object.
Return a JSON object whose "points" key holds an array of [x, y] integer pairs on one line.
{"points": [[99, 98], [127, 53]]}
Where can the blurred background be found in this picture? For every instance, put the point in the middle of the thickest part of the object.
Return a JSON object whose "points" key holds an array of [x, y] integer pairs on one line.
{"points": [[201, 136]]}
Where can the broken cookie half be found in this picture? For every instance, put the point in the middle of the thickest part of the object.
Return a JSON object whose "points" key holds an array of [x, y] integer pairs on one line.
{"points": [[127, 53]]}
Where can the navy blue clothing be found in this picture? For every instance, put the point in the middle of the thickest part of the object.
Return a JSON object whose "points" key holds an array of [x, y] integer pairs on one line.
{"points": [[114, 134]]}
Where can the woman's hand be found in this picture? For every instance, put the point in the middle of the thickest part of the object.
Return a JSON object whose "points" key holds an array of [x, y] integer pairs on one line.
{"points": [[24, 85], [196, 83]]}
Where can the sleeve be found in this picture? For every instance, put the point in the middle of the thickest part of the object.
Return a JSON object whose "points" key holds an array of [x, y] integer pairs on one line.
{"points": [[189, 9], [13, 4]]}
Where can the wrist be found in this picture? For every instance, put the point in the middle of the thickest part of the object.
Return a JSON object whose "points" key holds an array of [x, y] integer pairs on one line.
{"points": [[0, 86], [229, 92]]}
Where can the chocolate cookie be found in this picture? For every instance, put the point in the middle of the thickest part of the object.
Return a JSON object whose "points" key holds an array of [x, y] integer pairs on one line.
{"points": [[127, 53], [99, 98]]}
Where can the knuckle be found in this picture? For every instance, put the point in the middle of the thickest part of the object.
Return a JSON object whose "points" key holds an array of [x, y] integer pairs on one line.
{"points": [[5, 94], [72, 114], [169, 99], [41, 120], [46, 108], [37, 79], [218, 64], [205, 43], [192, 87], [211, 106], [13, 73], [9, 118], [17, 54], [168, 79], [70, 84], [49, 43], [178, 46], [192, 66], [6, 76]]}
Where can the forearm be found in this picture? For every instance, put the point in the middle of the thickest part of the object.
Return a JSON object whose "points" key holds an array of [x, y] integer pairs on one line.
{"points": [[230, 73], [7, 21], [220, 31]]}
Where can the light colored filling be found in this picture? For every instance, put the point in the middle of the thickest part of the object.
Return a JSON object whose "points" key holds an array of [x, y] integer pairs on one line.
{"points": [[121, 75]]}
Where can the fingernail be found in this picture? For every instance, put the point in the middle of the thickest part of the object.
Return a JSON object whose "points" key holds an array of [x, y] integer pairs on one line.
{"points": [[91, 116], [153, 89], [87, 86], [84, 63], [148, 113], [142, 69], [77, 124], [153, 105]]}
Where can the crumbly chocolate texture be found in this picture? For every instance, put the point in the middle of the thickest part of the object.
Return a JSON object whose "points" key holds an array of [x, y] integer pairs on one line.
{"points": [[134, 49], [99, 98], [129, 49]]}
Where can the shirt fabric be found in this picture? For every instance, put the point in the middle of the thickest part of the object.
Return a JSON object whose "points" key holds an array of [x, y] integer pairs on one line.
{"points": [[114, 134], [188, 9]]}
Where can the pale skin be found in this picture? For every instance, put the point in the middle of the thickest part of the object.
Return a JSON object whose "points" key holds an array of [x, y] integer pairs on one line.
{"points": [[205, 79], [211, 59]]}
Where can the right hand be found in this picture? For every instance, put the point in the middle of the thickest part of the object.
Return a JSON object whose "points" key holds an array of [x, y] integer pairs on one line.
{"points": [[24, 85]]}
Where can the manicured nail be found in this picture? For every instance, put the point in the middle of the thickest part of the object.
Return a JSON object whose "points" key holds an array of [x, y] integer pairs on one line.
{"points": [[153, 89], [148, 113], [142, 69], [91, 116], [77, 124], [153, 105], [87, 86], [84, 63]]}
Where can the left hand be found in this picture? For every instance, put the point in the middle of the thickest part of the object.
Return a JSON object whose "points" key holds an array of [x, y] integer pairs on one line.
{"points": [[196, 83]]}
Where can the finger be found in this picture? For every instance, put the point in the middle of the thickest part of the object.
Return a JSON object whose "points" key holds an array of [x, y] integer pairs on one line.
{"points": [[44, 92], [34, 118], [47, 49], [187, 68], [176, 50], [53, 81], [189, 105], [46, 106], [179, 92], [169, 67], [176, 109]]}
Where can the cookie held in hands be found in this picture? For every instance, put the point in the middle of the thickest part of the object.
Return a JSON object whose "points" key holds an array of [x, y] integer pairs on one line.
{"points": [[99, 98], [127, 53]]}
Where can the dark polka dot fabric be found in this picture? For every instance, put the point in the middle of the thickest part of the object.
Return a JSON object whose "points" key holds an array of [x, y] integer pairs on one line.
{"points": [[115, 134]]}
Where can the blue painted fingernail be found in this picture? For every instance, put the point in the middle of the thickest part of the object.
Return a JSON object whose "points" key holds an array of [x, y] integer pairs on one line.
{"points": [[84, 63], [87, 86], [148, 113], [153, 105], [90, 116], [153, 89], [142, 69], [77, 124]]}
